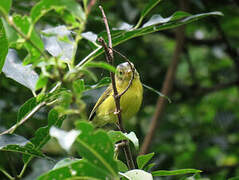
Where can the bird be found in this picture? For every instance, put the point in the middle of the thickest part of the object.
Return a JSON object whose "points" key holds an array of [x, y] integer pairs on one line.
{"points": [[104, 111]]}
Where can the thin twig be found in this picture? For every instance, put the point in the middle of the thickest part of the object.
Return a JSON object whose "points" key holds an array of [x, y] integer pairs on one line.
{"points": [[29, 115], [109, 58], [108, 32]]}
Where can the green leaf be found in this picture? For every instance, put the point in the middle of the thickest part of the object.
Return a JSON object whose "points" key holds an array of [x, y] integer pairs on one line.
{"points": [[157, 26], [26, 108], [5, 6], [148, 167], [97, 148], [42, 135], [16, 143], [78, 169], [79, 86], [122, 166], [105, 81], [44, 6], [41, 82], [4, 45], [117, 136], [102, 65], [142, 160], [11, 34], [175, 172], [146, 10]]}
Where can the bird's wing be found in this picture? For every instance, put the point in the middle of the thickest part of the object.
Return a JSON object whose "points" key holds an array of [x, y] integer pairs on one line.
{"points": [[103, 97]]}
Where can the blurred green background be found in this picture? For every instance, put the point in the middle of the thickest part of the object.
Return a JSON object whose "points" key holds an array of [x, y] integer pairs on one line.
{"points": [[199, 129]]}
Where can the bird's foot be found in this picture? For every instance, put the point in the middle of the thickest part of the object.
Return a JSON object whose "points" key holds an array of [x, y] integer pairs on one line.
{"points": [[117, 112]]}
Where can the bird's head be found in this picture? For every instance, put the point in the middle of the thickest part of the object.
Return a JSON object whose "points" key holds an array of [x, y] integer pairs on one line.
{"points": [[124, 71]]}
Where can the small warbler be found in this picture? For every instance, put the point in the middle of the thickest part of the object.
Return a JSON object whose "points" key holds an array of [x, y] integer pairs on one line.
{"points": [[104, 111]]}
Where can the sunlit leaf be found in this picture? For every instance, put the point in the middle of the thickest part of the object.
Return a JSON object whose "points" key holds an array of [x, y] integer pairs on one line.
{"points": [[14, 69], [54, 44], [137, 174], [4, 45], [65, 139]]}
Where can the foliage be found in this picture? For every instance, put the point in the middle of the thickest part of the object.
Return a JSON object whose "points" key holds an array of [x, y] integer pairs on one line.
{"points": [[51, 49]]}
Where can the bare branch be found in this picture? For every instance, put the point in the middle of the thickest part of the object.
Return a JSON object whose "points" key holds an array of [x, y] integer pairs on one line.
{"points": [[110, 58]]}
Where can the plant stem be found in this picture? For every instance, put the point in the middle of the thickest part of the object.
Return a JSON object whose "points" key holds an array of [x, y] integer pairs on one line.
{"points": [[6, 174], [110, 58]]}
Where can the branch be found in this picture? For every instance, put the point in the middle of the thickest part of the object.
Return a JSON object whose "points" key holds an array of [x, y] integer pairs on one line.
{"points": [[30, 114], [167, 86], [110, 58]]}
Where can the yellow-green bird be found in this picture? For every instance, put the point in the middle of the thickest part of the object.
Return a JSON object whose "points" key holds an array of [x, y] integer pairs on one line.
{"points": [[130, 102]]}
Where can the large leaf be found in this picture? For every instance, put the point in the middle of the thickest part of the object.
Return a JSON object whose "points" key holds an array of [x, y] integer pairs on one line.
{"points": [[142, 160], [59, 42], [45, 6], [5, 6], [177, 19], [175, 172], [14, 69], [42, 135], [16, 143], [97, 148], [4, 45], [76, 169]]}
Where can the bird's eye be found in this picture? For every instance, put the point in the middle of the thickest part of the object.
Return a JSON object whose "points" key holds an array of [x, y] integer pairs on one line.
{"points": [[120, 72]]}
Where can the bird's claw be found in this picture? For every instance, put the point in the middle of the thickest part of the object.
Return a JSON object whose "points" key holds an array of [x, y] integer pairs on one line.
{"points": [[117, 112]]}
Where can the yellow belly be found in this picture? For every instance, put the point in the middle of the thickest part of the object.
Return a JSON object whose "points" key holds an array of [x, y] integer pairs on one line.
{"points": [[130, 103]]}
